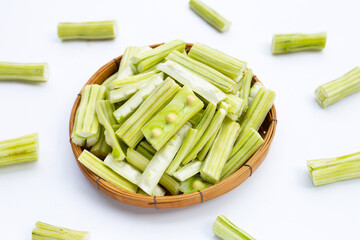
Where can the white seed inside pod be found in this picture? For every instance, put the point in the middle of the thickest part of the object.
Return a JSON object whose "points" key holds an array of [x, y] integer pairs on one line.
{"points": [[171, 118], [190, 99], [156, 132]]}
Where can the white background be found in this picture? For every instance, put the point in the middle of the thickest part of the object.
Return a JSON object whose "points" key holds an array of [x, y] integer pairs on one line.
{"points": [[277, 202]]}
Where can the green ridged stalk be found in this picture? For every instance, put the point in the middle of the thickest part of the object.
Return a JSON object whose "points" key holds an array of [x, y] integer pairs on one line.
{"points": [[204, 151], [183, 151], [124, 93], [258, 110], [245, 86], [329, 170], [211, 75], [87, 30], [125, 68], [172, 117], [130, 173], [101, 149], [188, 78], [295, 42], [97, 166], [130, 130], [44, 231], [331, 92], [226, 230], [29, 72], [194, 183], [141, 162], [136, 79], [17, 150], [108, 81], [212, 129], [150, 58], [242, 151], [210, 15], [254, 91], [86, 123], [144, 152], [226, 64], [236, 106], [146, 149], [104, 110], [196, 118], [161, 160], [220, 151], [134, 102], [188, 170]]}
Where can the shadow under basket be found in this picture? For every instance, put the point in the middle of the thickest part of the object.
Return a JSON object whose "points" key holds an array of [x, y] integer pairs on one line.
{"points": [[267, 131]]}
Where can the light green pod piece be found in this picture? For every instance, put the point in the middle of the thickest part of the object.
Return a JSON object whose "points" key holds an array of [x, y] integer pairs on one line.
{"points": [[87, 124], [130, 131], [213, 128], [87, 30], [172, 117], [220, 151], [103, 113], [249, 142], [195, 183], [150, 58]]}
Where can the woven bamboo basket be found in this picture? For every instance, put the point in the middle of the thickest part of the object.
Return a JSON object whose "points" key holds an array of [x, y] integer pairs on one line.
{"points": [[267, 131]]}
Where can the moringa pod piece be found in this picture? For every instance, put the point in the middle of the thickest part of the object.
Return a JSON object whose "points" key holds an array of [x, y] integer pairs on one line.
{"points": [[172, 117]]}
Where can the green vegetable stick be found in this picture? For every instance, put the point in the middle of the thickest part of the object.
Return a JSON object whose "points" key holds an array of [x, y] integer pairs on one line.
{"points": [[87, 30], [101, 149], [144, 152], [227, 65], [129, 172], [210, 15], [87, 122], [295, 42], [133, 103], [226, 230], [104, 112], [194, 183], [212, 129], [236, 106], [30, 72], [149, 59], [198, 84], [172, 117], [258, 110], [130, 130], [248, 143], [220, 151], [196, 118], [145, 145], [188, 170], [329, 170], [17, 150], [108, 81], [204, 151], [211, 75], [245, 86], [46, 231], [124, 93], [98, 167], [161, 160], [254, 91], [338, 89], [125, 69], [136, 79], [183, 151], [140, 162]]}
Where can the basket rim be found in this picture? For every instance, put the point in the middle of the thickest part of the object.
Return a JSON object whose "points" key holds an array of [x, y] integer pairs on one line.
{"points": [[206, 194]]}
